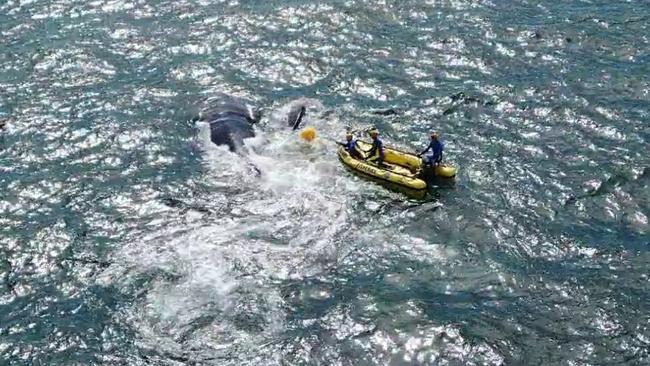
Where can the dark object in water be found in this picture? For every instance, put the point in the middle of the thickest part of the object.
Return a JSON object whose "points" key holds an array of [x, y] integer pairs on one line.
{"points": [[385, 112]]}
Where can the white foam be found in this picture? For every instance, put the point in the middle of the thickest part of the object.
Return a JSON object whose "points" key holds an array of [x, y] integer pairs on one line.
{"points": [[287, 224]]}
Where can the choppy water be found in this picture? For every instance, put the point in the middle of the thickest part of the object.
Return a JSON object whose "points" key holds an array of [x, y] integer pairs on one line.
{"points": [[127, 239]]}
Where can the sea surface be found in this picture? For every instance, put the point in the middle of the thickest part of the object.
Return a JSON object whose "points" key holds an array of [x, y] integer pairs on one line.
{"points": [[127, 238]]}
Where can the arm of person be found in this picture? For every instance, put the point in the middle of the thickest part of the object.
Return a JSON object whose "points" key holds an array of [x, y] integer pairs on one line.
{"points": [[425, 150]]}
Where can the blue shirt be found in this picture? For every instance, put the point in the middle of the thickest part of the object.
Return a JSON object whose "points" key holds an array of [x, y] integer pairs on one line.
{"points": [[436, 147], [350, 146], [377, 145]]}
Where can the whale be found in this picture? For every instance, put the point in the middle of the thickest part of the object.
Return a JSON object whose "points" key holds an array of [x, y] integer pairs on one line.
{"points": [[232, 120]]}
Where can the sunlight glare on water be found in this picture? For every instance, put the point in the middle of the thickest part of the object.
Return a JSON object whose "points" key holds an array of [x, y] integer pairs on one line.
{"points": [[127, 237]]}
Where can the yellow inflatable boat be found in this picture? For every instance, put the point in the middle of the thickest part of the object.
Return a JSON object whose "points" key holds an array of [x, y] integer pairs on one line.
{"points": [[400, 168]]}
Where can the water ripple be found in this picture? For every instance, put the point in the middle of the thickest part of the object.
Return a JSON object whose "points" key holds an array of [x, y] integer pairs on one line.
{"points": [[127, 238]]}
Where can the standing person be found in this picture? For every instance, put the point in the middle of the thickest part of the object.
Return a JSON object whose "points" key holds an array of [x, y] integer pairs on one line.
{"points": [[436, 146], [376, 152]]}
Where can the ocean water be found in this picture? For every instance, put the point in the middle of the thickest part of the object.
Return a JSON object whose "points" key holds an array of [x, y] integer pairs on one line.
{"points": [[127, 238]]}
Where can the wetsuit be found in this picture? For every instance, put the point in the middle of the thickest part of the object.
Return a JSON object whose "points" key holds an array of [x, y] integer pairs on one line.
{"points": [[376, 153], [350, 147], [435, 157]]}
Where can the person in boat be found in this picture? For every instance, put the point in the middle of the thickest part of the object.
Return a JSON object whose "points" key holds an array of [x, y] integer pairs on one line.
{"points": [[376, 152], [436, 146], [351, 146]]}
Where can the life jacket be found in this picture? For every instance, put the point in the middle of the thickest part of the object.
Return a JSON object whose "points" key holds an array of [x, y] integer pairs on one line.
{"points": [[350, 146], [377, 148]]}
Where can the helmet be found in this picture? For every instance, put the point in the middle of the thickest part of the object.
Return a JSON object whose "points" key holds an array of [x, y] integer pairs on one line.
{"points": [[348, 135], [374, 131]]}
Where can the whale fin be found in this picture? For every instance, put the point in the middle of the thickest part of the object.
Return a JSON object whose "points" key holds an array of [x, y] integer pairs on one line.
{"points": [[295, 117], [258, 172]]}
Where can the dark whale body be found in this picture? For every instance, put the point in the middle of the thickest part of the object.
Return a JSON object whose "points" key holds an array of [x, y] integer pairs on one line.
{"points": [[231, 121]]}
